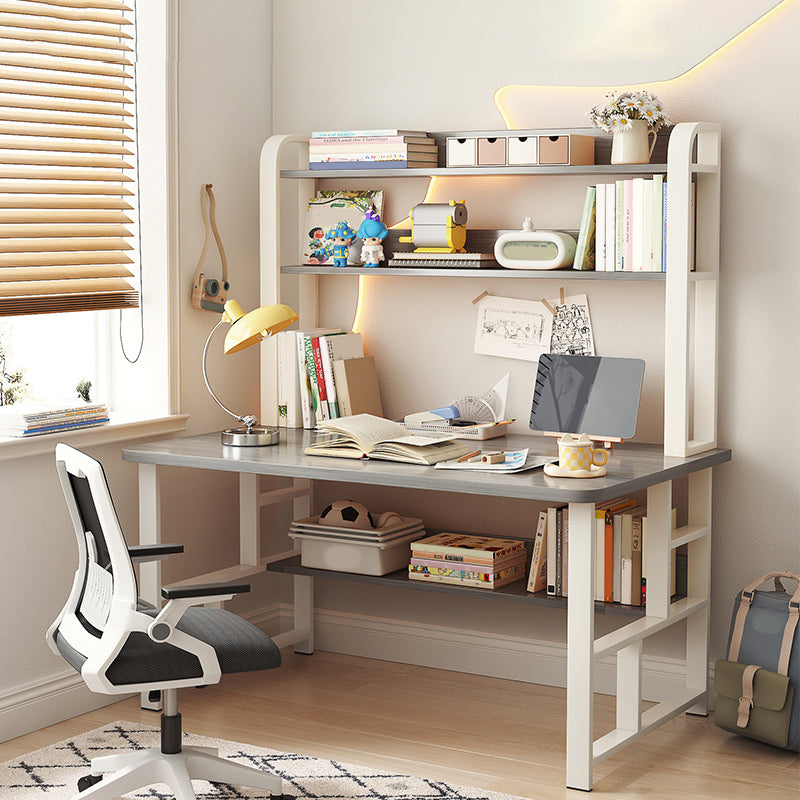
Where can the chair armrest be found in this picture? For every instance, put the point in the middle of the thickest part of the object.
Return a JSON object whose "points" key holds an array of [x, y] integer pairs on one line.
{"points": [[141, 553], [203, 590], [182, 597]]}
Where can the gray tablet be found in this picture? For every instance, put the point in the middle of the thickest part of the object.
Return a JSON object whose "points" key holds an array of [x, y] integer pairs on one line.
{"points": [[596, 395]]}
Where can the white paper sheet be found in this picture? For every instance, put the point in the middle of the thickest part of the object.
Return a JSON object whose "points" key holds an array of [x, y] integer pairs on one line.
{"points": [[513, 328]]}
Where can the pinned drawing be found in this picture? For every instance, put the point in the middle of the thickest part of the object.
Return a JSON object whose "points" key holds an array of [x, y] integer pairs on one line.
{"points": [[513, 328], [572, 327]]}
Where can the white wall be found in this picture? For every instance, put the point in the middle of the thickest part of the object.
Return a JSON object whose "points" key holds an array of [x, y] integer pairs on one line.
{"points": [[440, 72]]}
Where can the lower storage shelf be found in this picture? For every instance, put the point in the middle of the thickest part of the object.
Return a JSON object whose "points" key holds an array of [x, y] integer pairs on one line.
{"points": [[513, 592]]}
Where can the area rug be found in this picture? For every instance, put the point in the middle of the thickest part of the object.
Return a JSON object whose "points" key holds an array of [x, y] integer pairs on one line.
{"points": [[52, 773]]}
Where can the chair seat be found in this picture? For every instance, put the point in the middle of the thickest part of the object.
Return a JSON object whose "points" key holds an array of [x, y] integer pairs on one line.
{"points": [[240, 647]]}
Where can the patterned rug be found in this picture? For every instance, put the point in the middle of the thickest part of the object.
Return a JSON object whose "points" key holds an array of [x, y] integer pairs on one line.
{"points": [[52, 773]]}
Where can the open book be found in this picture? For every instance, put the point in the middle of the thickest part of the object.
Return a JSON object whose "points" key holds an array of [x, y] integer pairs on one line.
{"points": [[367, 436]]}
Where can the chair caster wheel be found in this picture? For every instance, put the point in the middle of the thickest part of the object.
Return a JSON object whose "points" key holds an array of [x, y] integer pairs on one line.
{"points": [[87, 781]]}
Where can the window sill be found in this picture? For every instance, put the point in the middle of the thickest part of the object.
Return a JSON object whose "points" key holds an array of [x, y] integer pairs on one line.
{"points": [[121, 428]]}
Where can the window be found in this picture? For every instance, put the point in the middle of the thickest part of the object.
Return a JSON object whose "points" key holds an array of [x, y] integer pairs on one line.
{"points": [[67, 156], [71, 200]]}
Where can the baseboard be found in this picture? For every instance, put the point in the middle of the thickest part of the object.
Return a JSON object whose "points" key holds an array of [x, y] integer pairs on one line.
{"points": [[480, 653], [47, 701]]}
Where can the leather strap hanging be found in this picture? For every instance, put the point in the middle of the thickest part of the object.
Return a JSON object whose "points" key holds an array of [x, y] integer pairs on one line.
{"points": [[791, 622], [209, 294]]}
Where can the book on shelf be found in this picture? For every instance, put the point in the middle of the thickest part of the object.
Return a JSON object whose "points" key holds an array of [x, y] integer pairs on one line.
{"points": [[631, 224], [390, 139], [552, 559], [341, 347], [455, 567], [346, 149], [88, 421], [416, 163], [357, 390], [316, 157], [630, 594], [307, 374], [367, 436], [585, 249], [366, 132], [673, 559], [466, 547], [604, 520], [537, 575], [486, 580]]}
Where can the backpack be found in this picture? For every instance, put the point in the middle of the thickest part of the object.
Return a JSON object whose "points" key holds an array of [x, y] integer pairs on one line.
{"points": [[758, 685]]}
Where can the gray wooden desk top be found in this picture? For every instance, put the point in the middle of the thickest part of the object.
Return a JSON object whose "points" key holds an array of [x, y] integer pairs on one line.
{"points": [[630, 467]]}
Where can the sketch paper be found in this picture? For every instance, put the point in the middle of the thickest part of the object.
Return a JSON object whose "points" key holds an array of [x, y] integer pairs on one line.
{"points": [[572, 327], [513, 328]]}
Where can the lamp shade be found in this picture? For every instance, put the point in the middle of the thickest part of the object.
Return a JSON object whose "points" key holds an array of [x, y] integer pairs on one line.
{"points": [[256, 325]]}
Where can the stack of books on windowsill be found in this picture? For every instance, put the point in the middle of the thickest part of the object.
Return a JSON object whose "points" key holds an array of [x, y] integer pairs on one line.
{"points": [[372, 149], [476, 561], [32, 420]]}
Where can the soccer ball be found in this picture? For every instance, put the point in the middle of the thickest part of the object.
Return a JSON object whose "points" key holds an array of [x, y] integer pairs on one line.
{"points": [[347, 514]]}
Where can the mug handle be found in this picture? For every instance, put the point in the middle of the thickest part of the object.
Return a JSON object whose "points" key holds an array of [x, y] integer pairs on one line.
{"points": [[602, 453], [652, 144]]}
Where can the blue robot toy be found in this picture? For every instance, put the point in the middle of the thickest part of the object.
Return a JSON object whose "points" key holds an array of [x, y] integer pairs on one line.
{"points": [[341, 236]]}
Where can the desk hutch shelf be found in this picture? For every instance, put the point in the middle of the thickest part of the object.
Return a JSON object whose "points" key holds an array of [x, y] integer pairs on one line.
{"points": [[689, 450]]}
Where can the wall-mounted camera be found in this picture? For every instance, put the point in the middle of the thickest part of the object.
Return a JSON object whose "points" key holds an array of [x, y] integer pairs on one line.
{"points": [[209, 294]]}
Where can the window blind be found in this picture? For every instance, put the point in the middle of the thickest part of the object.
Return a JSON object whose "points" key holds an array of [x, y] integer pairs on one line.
{"points": [[67, 146]]}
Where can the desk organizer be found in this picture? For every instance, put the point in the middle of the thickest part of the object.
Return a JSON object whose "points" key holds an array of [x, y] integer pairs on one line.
{"points": [[519, 148]]}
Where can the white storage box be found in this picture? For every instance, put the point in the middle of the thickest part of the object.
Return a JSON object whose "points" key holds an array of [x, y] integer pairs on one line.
{"points": [[462, 152], [364, 558]]}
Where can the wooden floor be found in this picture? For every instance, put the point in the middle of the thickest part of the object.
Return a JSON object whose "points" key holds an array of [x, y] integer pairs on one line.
{"points": [[466, 729]]}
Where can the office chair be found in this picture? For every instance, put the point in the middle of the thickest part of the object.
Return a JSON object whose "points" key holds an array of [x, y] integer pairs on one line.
{"points": [[121, 645]]}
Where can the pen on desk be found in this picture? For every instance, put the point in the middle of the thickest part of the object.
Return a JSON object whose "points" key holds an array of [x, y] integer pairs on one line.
{"points": [[468, 456]]}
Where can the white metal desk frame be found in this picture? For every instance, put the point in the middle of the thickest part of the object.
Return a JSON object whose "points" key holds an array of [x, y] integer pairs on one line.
{"points": [[583, 650]]}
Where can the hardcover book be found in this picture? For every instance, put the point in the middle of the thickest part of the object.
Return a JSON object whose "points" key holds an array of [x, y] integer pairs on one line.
{"points": [[467, 546]]}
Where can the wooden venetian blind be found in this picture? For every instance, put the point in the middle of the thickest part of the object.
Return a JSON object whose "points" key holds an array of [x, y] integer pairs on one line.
{"points": [[67, 182]]}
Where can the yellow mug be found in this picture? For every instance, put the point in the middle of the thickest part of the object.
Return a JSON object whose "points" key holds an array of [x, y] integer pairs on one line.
{"points": [[577, 453]]}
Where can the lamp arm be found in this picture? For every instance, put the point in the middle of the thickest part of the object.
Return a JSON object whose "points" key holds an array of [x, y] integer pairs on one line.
{"points": [[243, 419]]}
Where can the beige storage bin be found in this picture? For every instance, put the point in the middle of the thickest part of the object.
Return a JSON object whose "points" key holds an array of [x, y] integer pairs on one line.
{"points": [[364, 558], [492, 151], [461, 152], [523, 150]]}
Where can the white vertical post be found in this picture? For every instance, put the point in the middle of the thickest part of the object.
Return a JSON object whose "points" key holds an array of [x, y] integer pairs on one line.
{"points": [[249, 539], [658, 550], [150, 531], [580, 646], [629, 687], [304, 612], [698, 584]]}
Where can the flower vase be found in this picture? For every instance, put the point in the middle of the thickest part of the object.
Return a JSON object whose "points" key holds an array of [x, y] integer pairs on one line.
{"points": [[631, 146]]}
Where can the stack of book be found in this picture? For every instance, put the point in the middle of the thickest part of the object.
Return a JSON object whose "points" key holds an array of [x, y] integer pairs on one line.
{"points": [[477, 561], [323, 374], [372, 149], [623, 226], [620, 554], [21, 421]]}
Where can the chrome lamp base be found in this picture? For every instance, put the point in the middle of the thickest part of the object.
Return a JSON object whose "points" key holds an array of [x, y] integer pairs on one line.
{"points": [[256, 436]]}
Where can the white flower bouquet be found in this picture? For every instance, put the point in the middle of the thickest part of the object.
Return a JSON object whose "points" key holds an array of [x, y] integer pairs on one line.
{"points": [[623, 107]]}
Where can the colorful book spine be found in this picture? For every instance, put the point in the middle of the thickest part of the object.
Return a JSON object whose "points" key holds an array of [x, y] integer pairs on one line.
{"points": [[454, 547], [57, 428], [354, 140], [507, 576], [514, 558], [619, 217], [319, 379], [372, 132]]}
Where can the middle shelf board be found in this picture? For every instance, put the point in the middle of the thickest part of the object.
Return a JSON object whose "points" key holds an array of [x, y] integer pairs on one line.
{"points": [[514, 592], [449, 272]]}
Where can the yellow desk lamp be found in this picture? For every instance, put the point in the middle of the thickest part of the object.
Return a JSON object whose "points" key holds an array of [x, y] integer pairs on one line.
{"points": [[247, 329]]}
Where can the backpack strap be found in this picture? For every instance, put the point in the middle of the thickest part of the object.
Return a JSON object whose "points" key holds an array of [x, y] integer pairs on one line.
{"points": [[746, 698], [788, 632]]}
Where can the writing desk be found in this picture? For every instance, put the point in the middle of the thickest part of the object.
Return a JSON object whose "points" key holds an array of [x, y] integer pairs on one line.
{"points": [[631, 467]]}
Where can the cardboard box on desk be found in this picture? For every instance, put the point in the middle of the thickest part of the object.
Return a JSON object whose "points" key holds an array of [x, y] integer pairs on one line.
{"points": [[357, 386]]}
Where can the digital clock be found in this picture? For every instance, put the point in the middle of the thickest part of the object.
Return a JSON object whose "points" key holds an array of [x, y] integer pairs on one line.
{"points": [[532, 249]]}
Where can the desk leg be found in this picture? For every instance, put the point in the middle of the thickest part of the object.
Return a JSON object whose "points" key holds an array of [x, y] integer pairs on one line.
{"points": [[150, 571], [580, 646], [304, 612]]}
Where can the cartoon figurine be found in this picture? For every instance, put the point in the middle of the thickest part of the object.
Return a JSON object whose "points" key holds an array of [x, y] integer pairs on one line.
{"points": [[372, 231], [342, 236]]}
